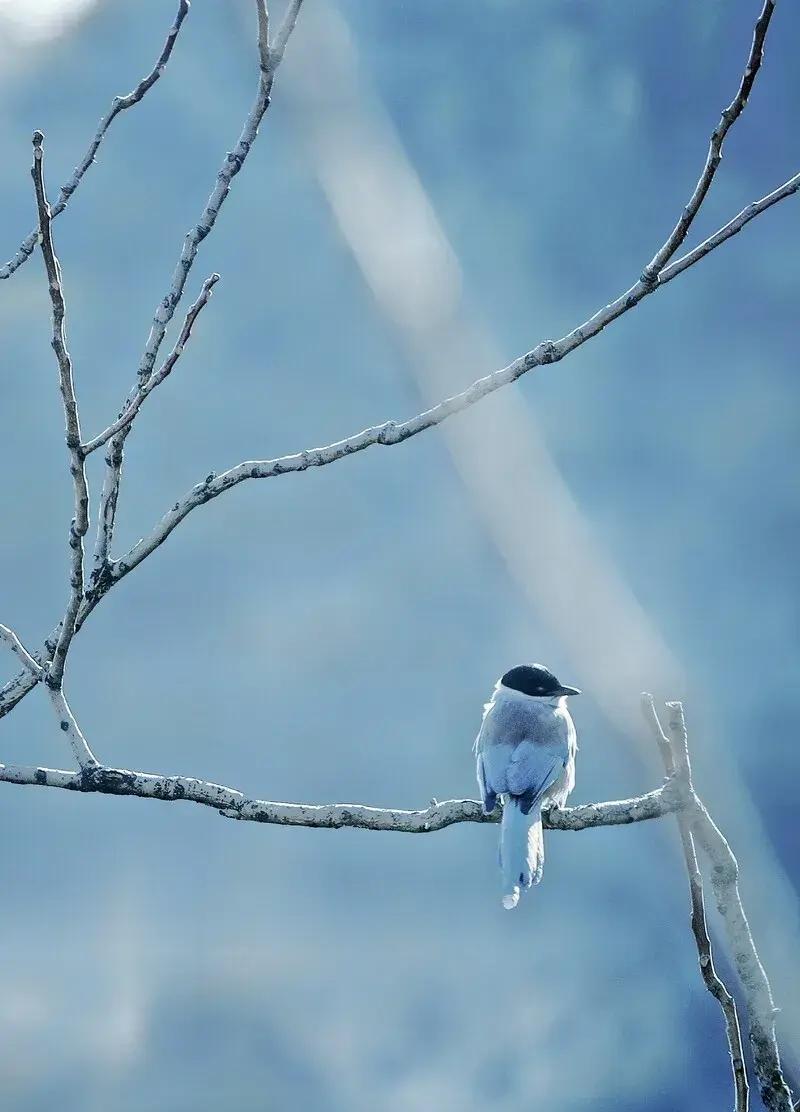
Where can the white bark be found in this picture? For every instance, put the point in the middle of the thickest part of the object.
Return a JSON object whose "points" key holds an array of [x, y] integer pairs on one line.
{"points": [[332, 816], [675, 756], [80, 521], [47, 667], [759, 1006]]}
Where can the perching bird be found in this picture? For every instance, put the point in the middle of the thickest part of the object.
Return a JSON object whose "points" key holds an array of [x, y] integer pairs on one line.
{"points": [[526, 755]]}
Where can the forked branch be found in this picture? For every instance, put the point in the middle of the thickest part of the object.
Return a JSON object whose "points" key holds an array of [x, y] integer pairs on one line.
{"points": [[701, 830], [678, 768], [677, 796], [107, 571]]}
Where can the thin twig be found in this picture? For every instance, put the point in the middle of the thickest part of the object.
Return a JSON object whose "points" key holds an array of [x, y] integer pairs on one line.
{"points": [[676, 764], [80, 522], [106, 574], [119, 104], [388, 433], [156, 379], [755, 208], [724, 880], [233, 163], [714, 157], [391, 432], [16, 646], [233, 804]]}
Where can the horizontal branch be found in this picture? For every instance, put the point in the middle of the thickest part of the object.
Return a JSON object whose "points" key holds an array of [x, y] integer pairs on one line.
{"points": [[391, 432], [119, 104], [233, 804]]}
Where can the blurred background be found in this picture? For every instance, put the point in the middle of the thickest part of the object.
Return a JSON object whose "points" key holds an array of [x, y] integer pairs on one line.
{"points": [[435, 189]]}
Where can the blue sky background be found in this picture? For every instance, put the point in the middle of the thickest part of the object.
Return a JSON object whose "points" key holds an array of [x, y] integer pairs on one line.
{"points": [[332, 636]]}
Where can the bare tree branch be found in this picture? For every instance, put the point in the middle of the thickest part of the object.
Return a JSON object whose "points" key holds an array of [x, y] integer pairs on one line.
{"points": [[119, 104], [17, 688], [727, 120], [233, 804], [107, 572], [284, 31], [80, 522], [676, 764], [677, 796], [262, 13], [724, 880], [16, 646], [388, 432], [755, 208], [156, 379], [391, 432], [66, 719], [233, 163], [81, 751]]}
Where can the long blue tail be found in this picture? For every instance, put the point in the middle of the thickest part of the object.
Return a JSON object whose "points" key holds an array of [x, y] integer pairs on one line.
{"points": [[521, 849]]}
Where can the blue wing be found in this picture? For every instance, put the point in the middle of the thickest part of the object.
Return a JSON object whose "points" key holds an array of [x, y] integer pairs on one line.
{"points": [[520, 753], [530, 772]]}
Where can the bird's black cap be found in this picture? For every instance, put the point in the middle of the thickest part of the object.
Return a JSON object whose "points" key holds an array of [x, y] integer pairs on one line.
{"points": [[535, 679]]}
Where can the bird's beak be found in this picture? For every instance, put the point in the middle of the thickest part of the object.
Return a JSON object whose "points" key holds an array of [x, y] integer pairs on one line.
{"points": [[564, 690]]}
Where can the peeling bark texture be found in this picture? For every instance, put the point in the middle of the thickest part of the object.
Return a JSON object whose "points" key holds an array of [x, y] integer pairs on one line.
{"points": [[45, 668]]}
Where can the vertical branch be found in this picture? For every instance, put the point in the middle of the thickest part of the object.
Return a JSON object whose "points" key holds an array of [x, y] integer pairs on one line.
{"points": [[80, 521], [263, 32], [759, 1004], [16, 646], [675, 755], [269, 60], [728, 118]]}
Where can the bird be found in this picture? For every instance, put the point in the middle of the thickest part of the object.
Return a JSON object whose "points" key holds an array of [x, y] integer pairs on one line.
{"points": [[525, 755]]}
